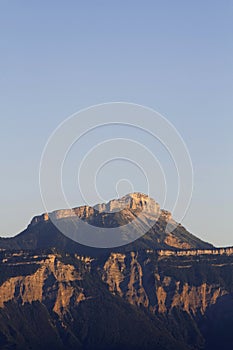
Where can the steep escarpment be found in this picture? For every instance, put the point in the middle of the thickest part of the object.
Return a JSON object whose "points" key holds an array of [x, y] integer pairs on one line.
{"points": [[166, 290], [124, 277], [58, 301], [137, 208], [138, 299], [164, 282], [133, 203], [193, 290], [51, 281]]}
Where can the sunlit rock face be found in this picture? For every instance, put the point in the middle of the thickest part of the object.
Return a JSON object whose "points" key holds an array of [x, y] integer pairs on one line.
{"points": [[53, 282], [158, 281], [143, 280], [133, 201], [82, 212], [169, 282], [143, 213]]}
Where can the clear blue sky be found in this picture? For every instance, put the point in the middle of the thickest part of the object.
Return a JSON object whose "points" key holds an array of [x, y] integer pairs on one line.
{"points": [[174, 56]]}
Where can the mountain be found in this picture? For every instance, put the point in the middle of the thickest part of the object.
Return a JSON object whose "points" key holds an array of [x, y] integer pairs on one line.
{"points": [[42, 233], [164, 291], [59, 301], [136, 300]]}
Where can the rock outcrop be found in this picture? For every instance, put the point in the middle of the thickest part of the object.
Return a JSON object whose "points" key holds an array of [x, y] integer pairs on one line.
{"points": [[132, 201], [52, 281], [136, 202], [163, 291], [138, 279], [118, 213], [69, 293]]}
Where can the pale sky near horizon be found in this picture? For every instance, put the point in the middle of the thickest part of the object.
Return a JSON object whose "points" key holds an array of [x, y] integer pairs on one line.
{"points": [[176, 57]]}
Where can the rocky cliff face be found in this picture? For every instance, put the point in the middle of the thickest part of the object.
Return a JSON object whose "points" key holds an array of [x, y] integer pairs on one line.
{"points": [[51, 282], [141, 282], [118, 213], [147, 278], [58, 301], [164, 291], [133, 202], [70, 287], [125, 280]]}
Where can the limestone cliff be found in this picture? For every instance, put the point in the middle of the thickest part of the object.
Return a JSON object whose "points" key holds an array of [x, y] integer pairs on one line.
{"points": [[53, 281], [135, 202], [79, 297], [164, 291], [141, 280], [118, 213]]}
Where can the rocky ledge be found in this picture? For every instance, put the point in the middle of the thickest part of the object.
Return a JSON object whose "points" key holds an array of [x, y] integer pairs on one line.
{"points": [[135, 202]]}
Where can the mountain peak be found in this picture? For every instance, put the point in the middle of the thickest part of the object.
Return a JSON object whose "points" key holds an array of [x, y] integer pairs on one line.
{"points": [[135, 201], [132, 201], [42, 232]]}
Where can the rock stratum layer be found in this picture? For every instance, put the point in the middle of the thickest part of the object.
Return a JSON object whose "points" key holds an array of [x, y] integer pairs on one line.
{"points": [[133, 202], [42, 233], [164, 291], [162, 301]]}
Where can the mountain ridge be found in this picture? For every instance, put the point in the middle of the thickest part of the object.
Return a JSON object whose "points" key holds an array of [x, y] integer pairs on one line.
{"points": [[160, 302], [134, 201], [42, 233], [163, 291]]}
